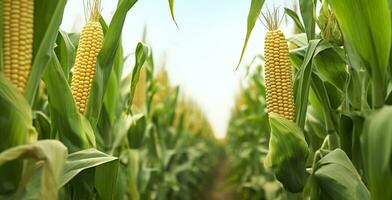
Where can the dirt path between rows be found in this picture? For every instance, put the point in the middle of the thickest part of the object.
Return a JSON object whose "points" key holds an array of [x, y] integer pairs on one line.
{"points": [[220, 190]]}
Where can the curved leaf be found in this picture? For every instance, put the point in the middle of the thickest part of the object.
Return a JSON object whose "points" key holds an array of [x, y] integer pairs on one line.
{"points": [[295, 18], [141, 54], [307, 8], [287, 154], [377, 151], [81, 160], [65, 52], [52, 153], [335, 177], [64, 115], [366, 27], [171, 5], [303, 83], [254, 12], [15, 125]]}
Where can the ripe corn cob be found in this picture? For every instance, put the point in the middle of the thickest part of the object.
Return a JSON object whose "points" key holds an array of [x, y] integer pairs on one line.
{"points": [[278, 75], [90, 44], [18, 40]]}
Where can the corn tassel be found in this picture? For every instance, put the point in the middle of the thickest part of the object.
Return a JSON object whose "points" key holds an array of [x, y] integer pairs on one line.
{"points": [[90, 44], [18, 40]]}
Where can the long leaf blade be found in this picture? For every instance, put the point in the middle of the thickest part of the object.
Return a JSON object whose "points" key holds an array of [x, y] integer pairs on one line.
{"points": [[254, 12]]}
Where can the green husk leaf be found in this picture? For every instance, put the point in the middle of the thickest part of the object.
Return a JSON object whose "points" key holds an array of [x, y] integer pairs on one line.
{"points": [[287, 154]]}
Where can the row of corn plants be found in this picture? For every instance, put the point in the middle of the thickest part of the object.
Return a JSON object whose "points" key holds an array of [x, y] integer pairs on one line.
{"points": [[325, 102], [74, 126]]}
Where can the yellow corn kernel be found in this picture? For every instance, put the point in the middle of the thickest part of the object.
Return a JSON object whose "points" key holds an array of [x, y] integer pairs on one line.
{"points": [[278, 75], [18, 24], [90, 44]]}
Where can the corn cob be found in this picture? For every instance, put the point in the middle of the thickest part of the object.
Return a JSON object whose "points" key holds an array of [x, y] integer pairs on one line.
{"points": [[18, 40], [90, 44], [278, 72]]}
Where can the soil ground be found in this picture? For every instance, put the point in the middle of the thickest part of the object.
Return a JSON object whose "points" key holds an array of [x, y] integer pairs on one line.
{"points": [[220, 190]]}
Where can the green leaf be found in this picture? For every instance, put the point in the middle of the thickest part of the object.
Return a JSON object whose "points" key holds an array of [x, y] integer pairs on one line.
{"points": [[330, 118], [366, 27], [295, 18], [122, 128], [287, 154], [171, 5], [105, 179], [47, 19], [15, 116], [141, 54], [105, 61], [65, 119], [308, 8], [336, 75], [303, 83], [51, 153], [298, 39], [136, 132], [65, 52], [377, 152], [112, 100], [42, 125], [335, 177], [254, 12], [16, 128], [82, 160]]}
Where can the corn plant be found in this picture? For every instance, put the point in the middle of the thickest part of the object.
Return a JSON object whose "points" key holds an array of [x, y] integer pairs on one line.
{"points": [[333, 149], [74, 128]]}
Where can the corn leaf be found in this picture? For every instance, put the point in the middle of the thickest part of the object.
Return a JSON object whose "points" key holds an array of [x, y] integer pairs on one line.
{"points": [[171, 5], [82, 160], [42, 125], [295, 18], [106, 179], [302, 83], [330, 118], [336, 75], [16, 128], [287, 154], [377, 151], [254, 12], [64, 114], [136, 132], [142, 52], [52, 153], [113, 101], [307, 8], [335, 177], [65, 52], [366, 27], [47, 19]]}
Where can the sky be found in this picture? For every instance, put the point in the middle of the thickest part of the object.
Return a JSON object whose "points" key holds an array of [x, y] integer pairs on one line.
{"points": [[201, 54]]}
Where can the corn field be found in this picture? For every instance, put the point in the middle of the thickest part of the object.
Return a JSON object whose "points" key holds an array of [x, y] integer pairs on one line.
{"points": [[313, 119]]}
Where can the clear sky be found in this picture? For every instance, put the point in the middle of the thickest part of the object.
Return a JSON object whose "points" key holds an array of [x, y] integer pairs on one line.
{"points": [[201, 55]]}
